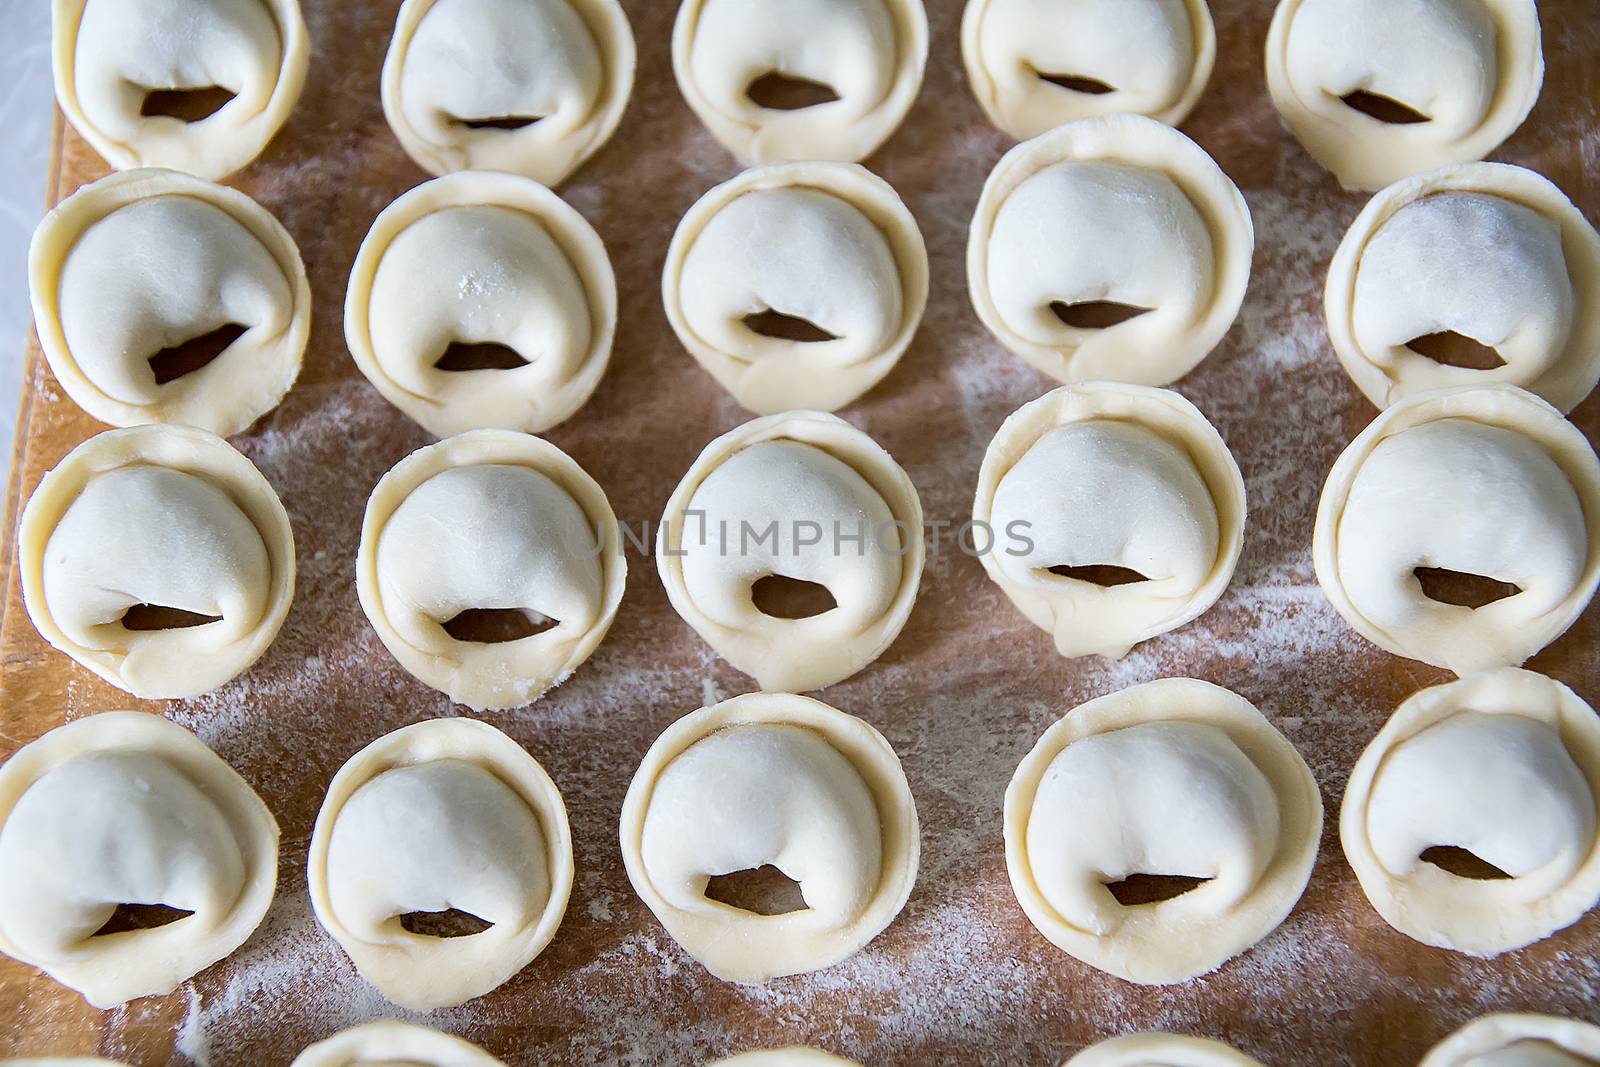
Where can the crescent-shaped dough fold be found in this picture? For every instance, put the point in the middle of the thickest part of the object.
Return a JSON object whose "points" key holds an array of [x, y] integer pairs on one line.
{"points": [[1518, 1040], [795, 1056], [128, 808], [1378, 90], [780, 780], [1503, 764], [393, 1044], [113, 58], [1174, 778], [1160, 1050]]}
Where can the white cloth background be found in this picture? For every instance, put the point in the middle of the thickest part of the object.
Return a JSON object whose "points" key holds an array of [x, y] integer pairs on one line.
{"points": [[25, 117]]}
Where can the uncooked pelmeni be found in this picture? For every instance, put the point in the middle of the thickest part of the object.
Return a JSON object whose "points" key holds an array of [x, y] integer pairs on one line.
{"points": [[1491, 483], [1160, 1050], [157, 517], [532, 87], [796, 1056], [482, 259], [1035, 64], [846, 72], [449, 814], [1484, 251], [780, 780], [1378, 90], [490, 522], [1101, 219], [393, 1044], [805, 497], [828, 244], [1504, 765], [1092, 805], [145, 94], [1104, 475], [135, 266], [125, 808], [1517, 1040]]}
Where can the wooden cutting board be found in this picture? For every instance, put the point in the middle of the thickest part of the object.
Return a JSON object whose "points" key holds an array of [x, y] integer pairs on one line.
{"points": [[961, 976]]}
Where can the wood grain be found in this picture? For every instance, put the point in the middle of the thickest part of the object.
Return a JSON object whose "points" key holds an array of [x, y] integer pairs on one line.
{"points": [[961, 976]]}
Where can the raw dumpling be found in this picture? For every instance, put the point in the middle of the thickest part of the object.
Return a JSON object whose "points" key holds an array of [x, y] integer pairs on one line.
{"points": [[445, 815], [159, 558], [1512, 1040], [1378, 90], [125, 808], [480, 301], [1114, 513], [1035, 64], [808, 498], [1504, 765], [797, 286], [1485, 253], [797, 1056], [1160, 1050], [139, 277], [393, 1044], [1459, 528], [779, 81], [1109, 249], [1090, 810], [780, 780], [532, 87], [491, 566], [196, 85]]}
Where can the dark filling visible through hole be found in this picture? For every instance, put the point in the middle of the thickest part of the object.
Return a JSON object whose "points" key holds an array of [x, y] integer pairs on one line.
{"points": [[1456, 350], [485, 356], [1102, 574], [451, 923], [1461, 863], [1152, 888], [1462, 589], [495, 626], [763, 890], [780, 92], [1095, 314], [173, 363], [500, 122], [1078, 83], [140, 917], [185, 105], [776, 324], [159, 617], [790, 598], [1383, 108]]}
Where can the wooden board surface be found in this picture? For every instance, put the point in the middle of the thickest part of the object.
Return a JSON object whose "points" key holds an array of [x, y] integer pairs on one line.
{"points": [[961, 976]]}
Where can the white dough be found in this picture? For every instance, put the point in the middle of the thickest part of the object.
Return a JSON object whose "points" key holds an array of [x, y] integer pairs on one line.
{"points": [[561, 68], [1504, 764], [108, 54], [127, 808], [807, 497], [870, 53], [445, 814], [776, 779], [1471, 68], [1518, 1040], [1104, 474], [482, 258], [1490, 251], [1155, 57], [795, 1056], [1160, 1050], [168, 516], [1119, 209], [1490, 482], [393, 1044], [825, 242], [489, 520], [1177, 778], [146, 260]]}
